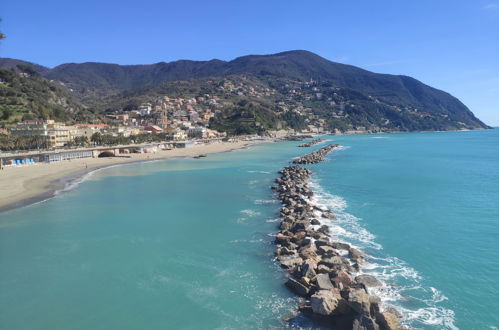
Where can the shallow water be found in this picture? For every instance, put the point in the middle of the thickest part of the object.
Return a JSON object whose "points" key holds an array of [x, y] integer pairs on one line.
{"points": [[185, 243]]}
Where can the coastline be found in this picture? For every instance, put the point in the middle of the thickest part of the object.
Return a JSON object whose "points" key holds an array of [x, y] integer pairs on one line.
{"points": [[25, 185]]}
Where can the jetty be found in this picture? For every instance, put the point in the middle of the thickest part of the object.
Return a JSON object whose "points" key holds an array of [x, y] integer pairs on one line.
{"points": [[323, 271], [316, 156], [311, 143]]}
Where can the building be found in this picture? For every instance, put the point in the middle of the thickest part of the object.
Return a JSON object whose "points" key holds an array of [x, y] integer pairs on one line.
{"points": [[85, 129], [153, 129], [197, 132], [56, 134]]}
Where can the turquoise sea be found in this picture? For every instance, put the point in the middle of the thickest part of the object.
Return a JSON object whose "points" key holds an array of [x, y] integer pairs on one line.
{"points": [[187, 243]]}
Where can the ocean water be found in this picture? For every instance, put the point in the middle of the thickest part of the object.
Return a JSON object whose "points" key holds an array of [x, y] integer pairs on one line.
{"points": [[187, 243]]}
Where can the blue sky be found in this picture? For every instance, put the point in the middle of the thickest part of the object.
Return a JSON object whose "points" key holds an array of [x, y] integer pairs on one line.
{"points": [[449, 44]]}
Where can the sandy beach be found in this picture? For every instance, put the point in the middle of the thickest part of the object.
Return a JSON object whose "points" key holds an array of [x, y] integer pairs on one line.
{"points": [[23, 185]]}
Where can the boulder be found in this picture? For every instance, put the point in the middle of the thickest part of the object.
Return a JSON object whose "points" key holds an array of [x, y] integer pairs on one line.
{"points": [[342, 277], [324, 302], [388, 321], [368, 281], [297, 287], [298, 237], [324, 229], [331, 262], [307, 252], [358, 299], [323, 282], [322, 242], [364, 322], [340, 246], [284, 251], [290, 263], [355, 254], [322, 269], [282, 239], [307, 270]]}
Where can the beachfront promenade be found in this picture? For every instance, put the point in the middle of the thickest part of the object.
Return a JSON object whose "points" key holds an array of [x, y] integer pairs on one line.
{"points": [[48, 156]]}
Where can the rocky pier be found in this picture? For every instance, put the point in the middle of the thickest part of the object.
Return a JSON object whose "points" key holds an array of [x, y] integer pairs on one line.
{"points": [[311, 143], [324, 272], [316, 156]]}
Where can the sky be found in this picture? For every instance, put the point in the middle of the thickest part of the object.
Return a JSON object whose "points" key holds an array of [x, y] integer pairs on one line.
{"points": [[451, 45]]}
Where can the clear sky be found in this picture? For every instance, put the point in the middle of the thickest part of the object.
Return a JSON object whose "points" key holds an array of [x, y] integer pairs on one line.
{"points": [[449, 44]]}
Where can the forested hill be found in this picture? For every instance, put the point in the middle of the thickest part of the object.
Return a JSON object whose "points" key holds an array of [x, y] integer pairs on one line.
{"points": [[367, 99]]}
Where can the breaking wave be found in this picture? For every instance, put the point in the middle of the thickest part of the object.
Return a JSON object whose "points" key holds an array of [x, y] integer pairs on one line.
{"points": [[403, 288]]}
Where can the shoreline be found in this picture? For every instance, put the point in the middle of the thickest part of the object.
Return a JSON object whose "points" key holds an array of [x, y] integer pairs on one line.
{"points": [[28, 185]]}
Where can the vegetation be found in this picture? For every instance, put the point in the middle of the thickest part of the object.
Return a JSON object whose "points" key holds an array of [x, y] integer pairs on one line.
{"points": [[98, 139], [2, 36], [25, 95], [12, 143], [368, 100]]}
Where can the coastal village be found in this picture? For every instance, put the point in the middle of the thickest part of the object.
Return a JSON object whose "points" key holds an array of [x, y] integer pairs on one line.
{"points": [[162, 123], [166, 122]]}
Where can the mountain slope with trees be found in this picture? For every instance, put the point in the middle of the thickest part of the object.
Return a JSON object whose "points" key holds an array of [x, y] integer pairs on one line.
{"points": [[383, 101]]}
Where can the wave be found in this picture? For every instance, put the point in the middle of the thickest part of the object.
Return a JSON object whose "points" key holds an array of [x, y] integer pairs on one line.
{"points": [[403, 287], [250, 213], [260, 172], [265, 201]]}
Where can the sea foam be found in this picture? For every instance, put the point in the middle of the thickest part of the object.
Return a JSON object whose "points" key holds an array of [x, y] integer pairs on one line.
{"points": [[402, 287]]}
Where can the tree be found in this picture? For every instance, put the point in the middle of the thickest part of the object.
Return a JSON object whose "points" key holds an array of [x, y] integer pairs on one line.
{"points": [[96, 138], [2, 36]]}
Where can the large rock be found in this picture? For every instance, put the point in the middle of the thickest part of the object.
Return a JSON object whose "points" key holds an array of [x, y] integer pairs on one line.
{"points": [[307, 270], [343, 278], [340, 246], [324, 229], [388, 321], [321, 242], [323, 269], [284, 251], [282, 239], [355, 254], [323, 282], [290, 263], [332, 262], [326, 250], [297, 287], [364, 322], [359, 301], [308, 252], [368, 281], [298, 237], [324, 302]]}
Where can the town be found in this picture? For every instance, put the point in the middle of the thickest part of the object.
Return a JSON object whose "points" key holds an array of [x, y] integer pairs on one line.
{"points": [[190, 116]]}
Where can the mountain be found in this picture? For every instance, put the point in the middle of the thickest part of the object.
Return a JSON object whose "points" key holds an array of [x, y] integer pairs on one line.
{"points": [[368, 99], [25, 95], [13, 64]]}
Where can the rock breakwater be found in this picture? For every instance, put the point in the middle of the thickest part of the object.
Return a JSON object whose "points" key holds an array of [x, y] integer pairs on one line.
{"points": [[316, 156], [324, 272], [311, 143]]}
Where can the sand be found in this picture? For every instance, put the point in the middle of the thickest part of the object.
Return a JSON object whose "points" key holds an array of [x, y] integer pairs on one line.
{"points": [[23, 185]]}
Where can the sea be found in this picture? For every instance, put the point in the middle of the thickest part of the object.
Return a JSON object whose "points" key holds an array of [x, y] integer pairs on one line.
{"points": [[188, 243]]}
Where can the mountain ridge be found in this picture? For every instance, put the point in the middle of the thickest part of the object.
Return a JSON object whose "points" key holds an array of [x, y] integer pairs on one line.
{"points": [[92, 82]]}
